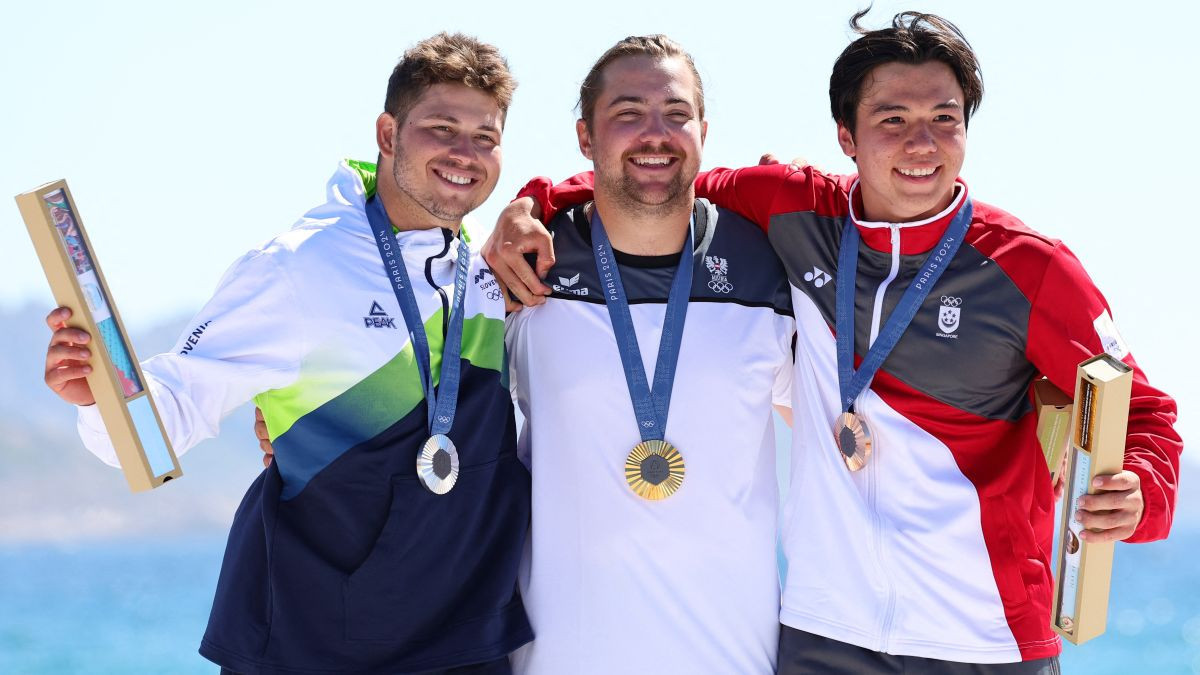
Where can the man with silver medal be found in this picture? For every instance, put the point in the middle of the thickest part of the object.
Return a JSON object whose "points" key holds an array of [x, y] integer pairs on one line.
{"points": [[370, 542]]}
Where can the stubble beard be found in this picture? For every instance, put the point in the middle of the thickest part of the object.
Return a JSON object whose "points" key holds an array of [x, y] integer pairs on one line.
{"points": [[426, 201], [629, 195]]}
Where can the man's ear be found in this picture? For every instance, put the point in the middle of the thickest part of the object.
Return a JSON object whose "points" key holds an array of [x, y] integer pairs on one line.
{"points": [[385, 134], [585, 138], [846, 140], [703, 131]]}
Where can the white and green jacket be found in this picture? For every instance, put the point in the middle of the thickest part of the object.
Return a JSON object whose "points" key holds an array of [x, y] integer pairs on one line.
{"points": [[339, 560]]}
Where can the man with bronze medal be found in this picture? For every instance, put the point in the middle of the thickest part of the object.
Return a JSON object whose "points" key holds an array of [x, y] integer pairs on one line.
{"points": [[385, 534], [918, 526]]}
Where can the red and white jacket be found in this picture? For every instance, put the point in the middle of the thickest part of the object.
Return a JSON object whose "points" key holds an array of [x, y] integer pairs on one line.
{"points": [[941, 546]]}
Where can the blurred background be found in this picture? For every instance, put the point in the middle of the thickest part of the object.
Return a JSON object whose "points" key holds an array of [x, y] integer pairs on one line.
{"points": [[190, 135]]}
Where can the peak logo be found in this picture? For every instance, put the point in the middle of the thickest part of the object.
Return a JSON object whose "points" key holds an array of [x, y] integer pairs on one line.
{"points": [[566, 284], [377, 318]]}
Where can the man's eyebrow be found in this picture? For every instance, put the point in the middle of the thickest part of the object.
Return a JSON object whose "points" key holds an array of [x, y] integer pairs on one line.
{"points": [[454, 120], [639, 100], [626, 99], [896, 107]]}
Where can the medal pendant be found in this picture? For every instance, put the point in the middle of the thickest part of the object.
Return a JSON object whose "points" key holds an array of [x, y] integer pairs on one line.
{"points": [[437, 464], [654, 469], [853, 439]]}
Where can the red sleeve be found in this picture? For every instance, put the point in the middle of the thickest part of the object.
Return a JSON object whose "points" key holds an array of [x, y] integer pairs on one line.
{"points": [[1063, 331], [554, 198], [755, 192]]}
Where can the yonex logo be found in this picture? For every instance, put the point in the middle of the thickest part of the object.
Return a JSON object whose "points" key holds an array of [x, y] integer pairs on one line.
{"points": [[565, 285], [378, 318], [818, 277]]}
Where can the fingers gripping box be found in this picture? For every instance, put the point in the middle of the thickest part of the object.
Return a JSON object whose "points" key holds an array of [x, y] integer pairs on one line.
{"points": [[1083, 570], [116, 380]]}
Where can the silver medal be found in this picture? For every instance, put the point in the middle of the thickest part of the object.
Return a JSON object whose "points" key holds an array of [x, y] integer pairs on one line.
{"points": [[437, 464]]}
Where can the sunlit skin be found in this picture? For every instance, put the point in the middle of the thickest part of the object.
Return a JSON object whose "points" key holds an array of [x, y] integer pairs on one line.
{"points": [[645, 142], [909, 119], [443, 160]]}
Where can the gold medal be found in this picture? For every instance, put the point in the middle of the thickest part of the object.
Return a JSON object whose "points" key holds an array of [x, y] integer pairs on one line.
{"points": [[852, 437], [654, 469]]}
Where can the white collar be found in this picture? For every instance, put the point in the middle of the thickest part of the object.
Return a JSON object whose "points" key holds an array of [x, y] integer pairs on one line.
{"points": [[959, 193]]}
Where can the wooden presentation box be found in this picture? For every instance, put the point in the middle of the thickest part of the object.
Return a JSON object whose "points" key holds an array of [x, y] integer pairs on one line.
{"points": [[116, 380], [1083, 571], [1053, 423]]}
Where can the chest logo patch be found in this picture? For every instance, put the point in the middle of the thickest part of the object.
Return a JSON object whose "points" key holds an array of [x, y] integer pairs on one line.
{"points": [[817, 277], [567, 285], [719, 268], [377, 318], [949, 316]]}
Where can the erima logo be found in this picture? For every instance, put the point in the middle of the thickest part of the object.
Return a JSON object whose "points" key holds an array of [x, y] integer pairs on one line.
{"points": [[818, 277], [378, 318], [949, 316], [490, 287], [565, 284], [719, 268], [194, 339]]}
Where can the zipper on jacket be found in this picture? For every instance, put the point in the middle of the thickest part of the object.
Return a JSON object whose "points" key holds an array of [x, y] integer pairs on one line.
{"points": [[889, 609]]}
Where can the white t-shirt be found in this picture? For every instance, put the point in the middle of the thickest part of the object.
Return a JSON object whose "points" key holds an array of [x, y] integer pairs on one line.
{"points": [[613, 582]]}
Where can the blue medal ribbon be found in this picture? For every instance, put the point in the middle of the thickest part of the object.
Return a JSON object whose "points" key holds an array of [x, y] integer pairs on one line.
{"points": [[851, 383], [442, 402], [650, 405]]}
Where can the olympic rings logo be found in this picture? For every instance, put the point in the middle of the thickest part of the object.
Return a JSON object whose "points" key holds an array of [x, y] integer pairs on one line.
{"points": [[494, 294], [951, 301], [720, 286]]}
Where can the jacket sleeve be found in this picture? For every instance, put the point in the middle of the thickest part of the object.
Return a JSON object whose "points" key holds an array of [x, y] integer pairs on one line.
{"points": [[554, 198], [247, 339], [1070, 321], [755, 192]]}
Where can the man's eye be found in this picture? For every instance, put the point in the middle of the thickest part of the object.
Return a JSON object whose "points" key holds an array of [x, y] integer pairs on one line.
{"points": [[486, 140], [945, 118], [893, 120]]}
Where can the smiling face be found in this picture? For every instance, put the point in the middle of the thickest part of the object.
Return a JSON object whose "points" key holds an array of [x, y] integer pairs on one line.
{"points": [[909, 140], [646, 135], [444, 156]]}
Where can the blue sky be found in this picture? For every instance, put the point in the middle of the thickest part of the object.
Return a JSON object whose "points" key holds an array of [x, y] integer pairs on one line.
{"points": [[189, 135]]}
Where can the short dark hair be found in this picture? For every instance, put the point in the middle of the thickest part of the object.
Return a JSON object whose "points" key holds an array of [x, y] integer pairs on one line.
{"points": [[448, 58], [913, 38], [657, 46]]}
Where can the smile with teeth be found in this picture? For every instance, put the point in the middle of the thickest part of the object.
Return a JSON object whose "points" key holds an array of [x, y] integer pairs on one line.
{"points": [[653, 161], [454, 177], [918, 173]]}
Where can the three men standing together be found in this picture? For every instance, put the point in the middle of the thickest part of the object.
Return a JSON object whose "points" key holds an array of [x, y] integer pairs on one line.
{"points": [[647, 378]]}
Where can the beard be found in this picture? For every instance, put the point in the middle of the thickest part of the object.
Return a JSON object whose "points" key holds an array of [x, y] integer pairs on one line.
{"points": [[446, 210], [628, 193]]}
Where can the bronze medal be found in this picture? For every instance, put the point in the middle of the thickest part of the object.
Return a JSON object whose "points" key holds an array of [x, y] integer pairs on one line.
{"points": [[853, 439], [654, 469]]}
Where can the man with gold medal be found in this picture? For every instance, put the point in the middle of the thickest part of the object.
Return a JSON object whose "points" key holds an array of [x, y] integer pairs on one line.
{"points": [[647, 381]]}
